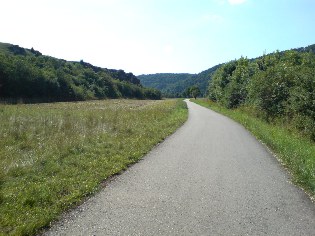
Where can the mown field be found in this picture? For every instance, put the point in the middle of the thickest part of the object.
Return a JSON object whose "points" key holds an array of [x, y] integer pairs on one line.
{"points": [[53, 155], [292, 148]]}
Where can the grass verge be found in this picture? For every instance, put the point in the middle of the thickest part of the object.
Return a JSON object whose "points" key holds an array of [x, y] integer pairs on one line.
{"points": [[295, 152], [54, 155]]}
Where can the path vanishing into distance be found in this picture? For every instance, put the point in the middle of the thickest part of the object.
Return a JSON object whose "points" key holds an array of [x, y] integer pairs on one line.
{"points": [[211, 177]]}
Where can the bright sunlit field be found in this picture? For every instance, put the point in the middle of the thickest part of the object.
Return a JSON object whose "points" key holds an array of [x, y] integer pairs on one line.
{"points": [[53, 155]]}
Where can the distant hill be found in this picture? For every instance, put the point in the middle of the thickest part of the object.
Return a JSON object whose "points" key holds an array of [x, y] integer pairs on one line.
{"points": [[26, 74], [174, 85], [169, 84]]}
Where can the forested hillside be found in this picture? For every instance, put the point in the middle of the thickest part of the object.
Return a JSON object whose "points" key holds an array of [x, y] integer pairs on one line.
{"points": [[171, 85], [25, 74], [175, 85], [277, 87]]}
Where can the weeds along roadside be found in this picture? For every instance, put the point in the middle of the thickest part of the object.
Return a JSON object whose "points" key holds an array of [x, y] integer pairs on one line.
{"points": [[295, 152], [53, 155]]}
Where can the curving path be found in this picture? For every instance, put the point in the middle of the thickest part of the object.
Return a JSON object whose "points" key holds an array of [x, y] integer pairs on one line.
{"points": [[209, 178]]}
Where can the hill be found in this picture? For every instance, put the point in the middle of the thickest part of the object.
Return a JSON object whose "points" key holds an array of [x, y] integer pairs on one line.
{"points": [[175, 85], [26, 74], [169, 84]]}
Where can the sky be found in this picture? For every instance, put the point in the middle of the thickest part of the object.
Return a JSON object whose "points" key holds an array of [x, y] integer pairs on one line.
{"points": [[157, 36]]}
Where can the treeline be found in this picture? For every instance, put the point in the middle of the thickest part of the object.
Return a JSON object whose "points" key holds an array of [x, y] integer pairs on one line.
{"points": [[276, 87], [28, 75]]}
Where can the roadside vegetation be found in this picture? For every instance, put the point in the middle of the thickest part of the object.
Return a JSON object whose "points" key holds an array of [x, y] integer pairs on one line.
{"points": [[279, 88], [53, 155], [274, 97], [294, 150]]}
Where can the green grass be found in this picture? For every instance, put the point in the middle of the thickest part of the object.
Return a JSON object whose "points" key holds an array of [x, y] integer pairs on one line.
{"points": [[54, 155], [295, 152]]}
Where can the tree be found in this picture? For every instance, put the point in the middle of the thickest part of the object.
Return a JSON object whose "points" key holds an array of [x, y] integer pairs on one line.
{"points": [[235, 92], [220, 80], [194, 91]]}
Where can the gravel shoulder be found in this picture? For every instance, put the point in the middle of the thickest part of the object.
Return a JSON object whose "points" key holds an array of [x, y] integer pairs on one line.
{"points": [[211, 177]]}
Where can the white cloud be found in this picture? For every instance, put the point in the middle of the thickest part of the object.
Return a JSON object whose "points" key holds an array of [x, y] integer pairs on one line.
{"points": [[236, 2]]}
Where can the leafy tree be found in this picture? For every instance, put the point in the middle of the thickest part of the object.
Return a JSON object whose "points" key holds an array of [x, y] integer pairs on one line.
{"points": [[194, 91], [220, 80], [236, 87], [269, 90]]}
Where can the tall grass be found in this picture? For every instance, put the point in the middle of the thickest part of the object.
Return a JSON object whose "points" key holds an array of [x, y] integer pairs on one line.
{"points": [[53, 155], [295, 152]]}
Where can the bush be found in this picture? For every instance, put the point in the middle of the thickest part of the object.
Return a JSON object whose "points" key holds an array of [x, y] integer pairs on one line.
{"points": [[279, 86]]}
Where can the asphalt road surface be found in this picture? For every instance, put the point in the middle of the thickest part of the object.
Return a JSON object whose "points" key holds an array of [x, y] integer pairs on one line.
{"points": [[209, 178]]}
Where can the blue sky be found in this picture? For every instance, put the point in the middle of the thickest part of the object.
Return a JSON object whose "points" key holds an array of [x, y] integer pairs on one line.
{"points": [[157, 36]]}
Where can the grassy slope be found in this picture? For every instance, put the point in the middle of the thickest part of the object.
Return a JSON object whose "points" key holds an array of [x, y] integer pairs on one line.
{"points": [[53, 155], [296, 153]]}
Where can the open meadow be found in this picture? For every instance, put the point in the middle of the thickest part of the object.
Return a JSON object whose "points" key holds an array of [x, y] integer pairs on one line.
{"points": [[53, 155]]}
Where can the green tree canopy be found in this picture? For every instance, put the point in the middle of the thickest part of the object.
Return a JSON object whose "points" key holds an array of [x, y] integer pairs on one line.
{"points": [[277, 86], [28, 75], [194, 91]]}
